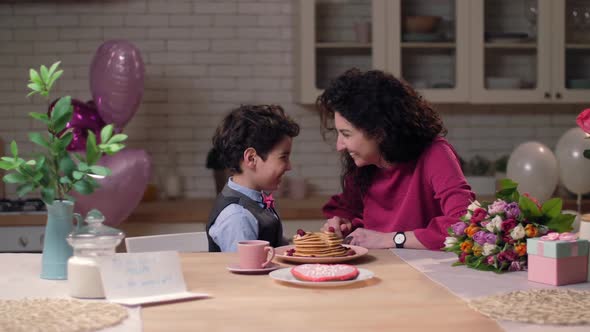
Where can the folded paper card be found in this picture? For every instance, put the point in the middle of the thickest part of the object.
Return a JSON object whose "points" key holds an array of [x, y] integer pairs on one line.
{"points": [[141, 278], [557, 260]]}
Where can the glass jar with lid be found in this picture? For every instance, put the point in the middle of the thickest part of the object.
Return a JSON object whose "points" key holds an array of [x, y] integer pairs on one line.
{"points": [[91, 240]]}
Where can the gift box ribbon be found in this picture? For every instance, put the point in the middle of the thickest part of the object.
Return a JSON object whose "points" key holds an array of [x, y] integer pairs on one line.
{"points": [[554, 236]]}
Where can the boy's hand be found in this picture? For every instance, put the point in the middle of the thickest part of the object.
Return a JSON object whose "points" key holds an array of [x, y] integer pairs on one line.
{"points": [[340, 226]]}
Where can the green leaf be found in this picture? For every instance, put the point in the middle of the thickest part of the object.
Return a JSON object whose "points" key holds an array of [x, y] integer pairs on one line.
{"points": [[15, 178], [35, 87], [31, 163], [14, 149], [83, 187], [552, 207], [53, 68], [62, 114], [67, 165], [118, 138], [92, 151], [100, 170], [40, 116], [34, 77], [529, 207], [65, 180], [38, 139], [93, 182], [48, 195], [113, 148], [106, 133], [82, 166], [40, 163], [5, 165], [78, 175], [44, 73], [65, 140], [53, 79], [24, 189], [8, 159], [561, 223]]}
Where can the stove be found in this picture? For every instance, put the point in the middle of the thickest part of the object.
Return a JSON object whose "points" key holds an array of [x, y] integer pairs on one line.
{"points": [[21, 238], [22, 205]]}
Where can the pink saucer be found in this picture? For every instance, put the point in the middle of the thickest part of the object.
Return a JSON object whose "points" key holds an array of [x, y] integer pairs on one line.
{"points": [[235, 268]]}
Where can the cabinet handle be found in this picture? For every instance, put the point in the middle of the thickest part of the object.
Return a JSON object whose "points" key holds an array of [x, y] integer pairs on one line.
{"points": [[23, 241], [547, 95], [558, 95]]}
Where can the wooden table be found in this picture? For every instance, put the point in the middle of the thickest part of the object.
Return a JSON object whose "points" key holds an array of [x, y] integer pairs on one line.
{"points": [[398, 299]]}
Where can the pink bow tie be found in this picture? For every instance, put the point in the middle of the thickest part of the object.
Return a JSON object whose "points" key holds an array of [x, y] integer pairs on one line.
{"points": [[268, 201], [554, 236]]}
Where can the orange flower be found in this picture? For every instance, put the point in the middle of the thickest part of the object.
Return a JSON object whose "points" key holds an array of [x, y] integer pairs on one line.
{"points": [[531, 231], [520, 249], [466, 246], [477, 250], [472, 229]]}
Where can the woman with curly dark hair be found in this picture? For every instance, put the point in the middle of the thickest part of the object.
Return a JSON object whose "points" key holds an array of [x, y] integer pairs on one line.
{"points": [[402, 182], [254, 143]]}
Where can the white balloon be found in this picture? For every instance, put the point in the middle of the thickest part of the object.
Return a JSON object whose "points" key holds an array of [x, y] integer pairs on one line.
{"points": [[574, 169], [534, 167]]}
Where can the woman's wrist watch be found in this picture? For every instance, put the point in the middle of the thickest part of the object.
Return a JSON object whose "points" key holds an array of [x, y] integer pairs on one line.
{"points": [[399, 239]]}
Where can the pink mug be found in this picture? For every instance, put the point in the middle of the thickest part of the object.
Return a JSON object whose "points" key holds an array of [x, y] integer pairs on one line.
{"points": [[253, 254]]}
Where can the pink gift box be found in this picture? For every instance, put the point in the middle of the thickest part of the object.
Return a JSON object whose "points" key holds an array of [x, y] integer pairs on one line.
{"points": [[562, 270]]}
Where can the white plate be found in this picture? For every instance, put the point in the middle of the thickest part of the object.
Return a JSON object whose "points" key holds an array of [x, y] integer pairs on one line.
{"points": [[237, 269], [281, 253], [286, 276]]}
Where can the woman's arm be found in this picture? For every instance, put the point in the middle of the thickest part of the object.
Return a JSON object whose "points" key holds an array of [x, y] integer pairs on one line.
{"points": [[378, 240]]}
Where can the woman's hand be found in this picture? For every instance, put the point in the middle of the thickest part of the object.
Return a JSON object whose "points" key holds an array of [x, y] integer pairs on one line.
{"points": [[341, 226], [370, 239]]}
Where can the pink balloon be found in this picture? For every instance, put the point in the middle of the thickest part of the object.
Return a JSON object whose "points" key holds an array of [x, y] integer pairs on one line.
{"points": [[119, 193], [85, 117], [116, 81]]}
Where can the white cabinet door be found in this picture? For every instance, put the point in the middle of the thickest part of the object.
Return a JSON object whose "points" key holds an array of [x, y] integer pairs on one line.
{"points": [[511, 51], [571, 51], [333, 37], [434, 61]]}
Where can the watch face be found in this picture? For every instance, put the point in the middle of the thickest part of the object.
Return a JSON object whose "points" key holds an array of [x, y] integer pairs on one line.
{"points": [[399, 238]]}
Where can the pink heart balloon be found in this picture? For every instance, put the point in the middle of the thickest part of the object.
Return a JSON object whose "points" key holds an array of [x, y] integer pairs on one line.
{"points": [[119, 193], [84, 118], [116, 81]]}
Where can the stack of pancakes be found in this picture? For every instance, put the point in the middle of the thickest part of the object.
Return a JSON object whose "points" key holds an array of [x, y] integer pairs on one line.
{"points": [[319, 244]]}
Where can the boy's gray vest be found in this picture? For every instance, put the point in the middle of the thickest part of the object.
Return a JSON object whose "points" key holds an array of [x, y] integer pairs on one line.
{"points": [[269, 227]]}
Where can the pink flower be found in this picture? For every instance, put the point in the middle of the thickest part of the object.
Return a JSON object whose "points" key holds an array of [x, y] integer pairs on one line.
{"points": [[507, 256], [490, 260], [462, 257], [507, 225], [583, 120], [478, 215]]}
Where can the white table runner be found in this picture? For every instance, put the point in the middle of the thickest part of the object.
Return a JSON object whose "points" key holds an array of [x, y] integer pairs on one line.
{"points": [[468, 283], [20, 279]]}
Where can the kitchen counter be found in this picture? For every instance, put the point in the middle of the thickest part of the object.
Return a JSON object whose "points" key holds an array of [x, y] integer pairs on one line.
{"points": [[186, 211]]}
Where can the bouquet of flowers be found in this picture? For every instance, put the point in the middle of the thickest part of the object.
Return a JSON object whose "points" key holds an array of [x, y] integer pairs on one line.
{"points": [[492, 236]]}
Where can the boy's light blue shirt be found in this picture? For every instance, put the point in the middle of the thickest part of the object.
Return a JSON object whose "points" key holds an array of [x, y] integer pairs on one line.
{"points": [[235, 223]]}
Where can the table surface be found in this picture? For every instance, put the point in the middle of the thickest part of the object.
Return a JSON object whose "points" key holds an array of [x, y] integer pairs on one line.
{"points": [[398, 298]]}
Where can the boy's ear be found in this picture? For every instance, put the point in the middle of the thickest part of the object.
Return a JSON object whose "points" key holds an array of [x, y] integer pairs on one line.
{"points": [[250, 157]]}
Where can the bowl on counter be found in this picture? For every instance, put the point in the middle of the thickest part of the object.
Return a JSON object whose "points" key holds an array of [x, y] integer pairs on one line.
{"points": [[421, 24], [499, 83]]}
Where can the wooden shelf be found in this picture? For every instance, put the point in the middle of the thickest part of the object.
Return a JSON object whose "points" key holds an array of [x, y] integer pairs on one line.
{"points": [[343, 45], [428, 45], [186, 211], [577, 46], [516, 46]]}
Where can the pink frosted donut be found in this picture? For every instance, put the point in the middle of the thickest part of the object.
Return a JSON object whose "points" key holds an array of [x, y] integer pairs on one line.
{"points": [[324, 272]]}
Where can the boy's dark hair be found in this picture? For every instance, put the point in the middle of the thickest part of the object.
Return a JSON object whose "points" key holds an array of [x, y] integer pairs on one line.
{"points": [[382, 107], [251, 126]]}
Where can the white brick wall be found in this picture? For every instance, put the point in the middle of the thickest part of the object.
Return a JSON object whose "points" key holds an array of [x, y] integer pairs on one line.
{"points": [[202, 59]]}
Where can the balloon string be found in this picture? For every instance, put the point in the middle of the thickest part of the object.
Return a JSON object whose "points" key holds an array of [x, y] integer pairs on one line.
{"points": [[579, 201]]}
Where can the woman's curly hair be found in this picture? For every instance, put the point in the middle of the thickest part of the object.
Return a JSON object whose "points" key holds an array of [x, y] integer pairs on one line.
{"points": [[384, 108], [260, 127]]}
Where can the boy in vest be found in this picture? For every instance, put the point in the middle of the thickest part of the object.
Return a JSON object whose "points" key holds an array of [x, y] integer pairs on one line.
{"points": [[254, 143]]}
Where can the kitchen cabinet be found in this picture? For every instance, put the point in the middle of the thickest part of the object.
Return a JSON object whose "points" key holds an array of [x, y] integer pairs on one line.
{"points": [[529, 51], [479, 51], [432, 59]]}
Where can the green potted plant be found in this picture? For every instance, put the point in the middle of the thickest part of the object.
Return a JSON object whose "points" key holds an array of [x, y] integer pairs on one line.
{"points": [[56, 171]]}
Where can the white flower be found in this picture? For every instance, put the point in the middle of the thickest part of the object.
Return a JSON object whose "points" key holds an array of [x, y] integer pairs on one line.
{"points": [[474, 205], [450, 241], [517, 232], [488, 248], [494, 225]]}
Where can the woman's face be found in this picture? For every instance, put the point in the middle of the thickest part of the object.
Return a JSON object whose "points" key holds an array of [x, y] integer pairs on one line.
{"points": [[363, 150]]}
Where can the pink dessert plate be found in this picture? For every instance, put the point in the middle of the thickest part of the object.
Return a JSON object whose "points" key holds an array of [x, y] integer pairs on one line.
{"points": [[281, 253], [285, 275], [235, 268]]}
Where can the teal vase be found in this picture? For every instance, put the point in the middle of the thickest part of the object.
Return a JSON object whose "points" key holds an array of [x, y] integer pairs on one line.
{"points": [[56, 250]]}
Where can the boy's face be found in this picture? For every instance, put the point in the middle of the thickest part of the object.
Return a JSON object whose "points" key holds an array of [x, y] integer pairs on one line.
{"points": [[269, 172]]}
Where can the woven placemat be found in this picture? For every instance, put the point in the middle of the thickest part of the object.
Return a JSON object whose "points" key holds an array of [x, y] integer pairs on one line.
{"points": [[58, 315], [539, 306]]}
